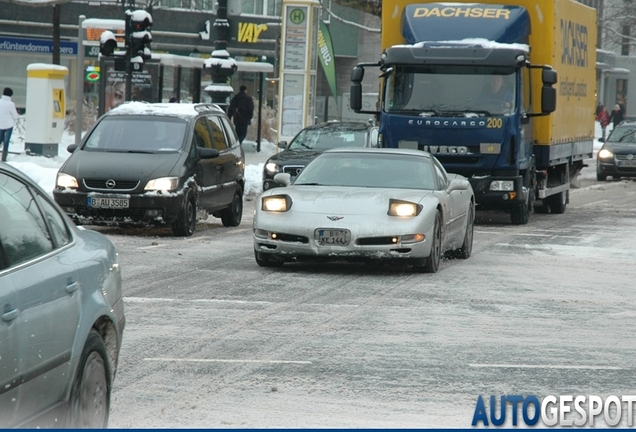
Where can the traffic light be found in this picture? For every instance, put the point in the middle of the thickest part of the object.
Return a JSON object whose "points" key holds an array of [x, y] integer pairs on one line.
{"points": [[139, 37], [107, 43]]}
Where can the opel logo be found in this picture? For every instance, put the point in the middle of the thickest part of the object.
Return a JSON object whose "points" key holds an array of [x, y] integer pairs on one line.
{"points": [[110, 183], [630, 156]]}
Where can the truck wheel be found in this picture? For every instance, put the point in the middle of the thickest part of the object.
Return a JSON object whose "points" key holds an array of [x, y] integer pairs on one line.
{"points": [[558, 202], [232, 215], [520, 213], [186, 222]]}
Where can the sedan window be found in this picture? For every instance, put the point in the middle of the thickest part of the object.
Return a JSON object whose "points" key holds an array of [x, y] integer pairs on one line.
{"points": [[219, 140], [23, 232], [369, 170]]}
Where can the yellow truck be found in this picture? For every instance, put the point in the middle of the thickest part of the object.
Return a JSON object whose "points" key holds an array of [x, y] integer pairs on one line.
{"points": [[476, 85]]}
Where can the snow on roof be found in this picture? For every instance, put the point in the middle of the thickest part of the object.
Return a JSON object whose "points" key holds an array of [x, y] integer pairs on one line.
{"points": [[46, 66], [471, 42], [144, 108]]}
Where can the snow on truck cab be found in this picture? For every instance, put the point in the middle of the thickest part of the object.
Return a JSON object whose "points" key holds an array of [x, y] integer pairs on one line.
{"points": [[476, 85]]}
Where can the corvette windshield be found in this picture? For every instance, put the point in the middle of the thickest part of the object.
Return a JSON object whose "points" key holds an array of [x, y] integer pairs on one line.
{"points": [[374, 170]]}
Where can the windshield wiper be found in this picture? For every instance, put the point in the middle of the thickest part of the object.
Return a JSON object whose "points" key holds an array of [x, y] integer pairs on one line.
{"points": [[308, 184]]}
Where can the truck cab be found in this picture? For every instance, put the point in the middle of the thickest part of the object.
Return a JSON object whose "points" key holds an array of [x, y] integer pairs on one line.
{"points": [[462, 87]]}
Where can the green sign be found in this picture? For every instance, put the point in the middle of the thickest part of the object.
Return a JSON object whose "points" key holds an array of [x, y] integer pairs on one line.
{"points": [[92, 76], [326, 56], [297, 16]]}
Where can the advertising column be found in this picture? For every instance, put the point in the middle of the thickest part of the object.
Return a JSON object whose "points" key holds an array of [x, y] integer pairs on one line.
{"points": [[298, 60]]}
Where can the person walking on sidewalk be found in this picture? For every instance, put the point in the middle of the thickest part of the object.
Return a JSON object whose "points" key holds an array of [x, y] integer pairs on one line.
{"points": [[616, 116], [241, 110], [8, 117], [603, 118]]}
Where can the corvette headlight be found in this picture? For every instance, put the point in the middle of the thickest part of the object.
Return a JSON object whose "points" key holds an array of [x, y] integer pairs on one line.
{"points": [[66, 181], [604, 154], [163, 183], [271, 167], [502, 185], [403, 208], [276, 203]]}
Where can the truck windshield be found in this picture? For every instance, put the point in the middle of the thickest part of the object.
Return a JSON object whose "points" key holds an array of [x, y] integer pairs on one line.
{"points": [[450, 91]]}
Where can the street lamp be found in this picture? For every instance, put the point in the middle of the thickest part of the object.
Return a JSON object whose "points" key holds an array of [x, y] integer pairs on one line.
{"points": [[220, 66]]}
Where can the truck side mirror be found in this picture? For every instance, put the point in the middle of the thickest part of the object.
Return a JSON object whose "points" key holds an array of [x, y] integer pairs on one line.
{"points": [[355, 98], [357, 74], [548, 76], [548, 99]]}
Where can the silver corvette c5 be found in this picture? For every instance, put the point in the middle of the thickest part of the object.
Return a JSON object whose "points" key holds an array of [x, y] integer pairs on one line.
{"points": [[367, 203]]}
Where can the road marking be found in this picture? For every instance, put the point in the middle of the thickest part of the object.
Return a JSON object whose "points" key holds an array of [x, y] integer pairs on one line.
{"points": [[168, 359], [166, 300], [528, 366]]}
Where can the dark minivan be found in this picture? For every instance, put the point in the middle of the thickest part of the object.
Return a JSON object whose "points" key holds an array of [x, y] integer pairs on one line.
{"points": [[155, 164]]}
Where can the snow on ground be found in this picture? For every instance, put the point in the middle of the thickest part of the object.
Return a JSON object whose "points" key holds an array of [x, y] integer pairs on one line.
{"points": [[44, 170]]}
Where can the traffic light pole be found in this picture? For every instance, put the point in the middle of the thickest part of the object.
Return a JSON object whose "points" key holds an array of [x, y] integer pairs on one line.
{"points": [[220, 66], [128, 33]]}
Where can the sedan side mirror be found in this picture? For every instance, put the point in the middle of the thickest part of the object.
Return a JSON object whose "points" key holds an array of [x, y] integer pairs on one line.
{"points": [[282, 144], [458, 184], [71, 148]]}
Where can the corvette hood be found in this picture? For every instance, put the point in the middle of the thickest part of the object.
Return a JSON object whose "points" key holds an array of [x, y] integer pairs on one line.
{"points": [[347, 200]]}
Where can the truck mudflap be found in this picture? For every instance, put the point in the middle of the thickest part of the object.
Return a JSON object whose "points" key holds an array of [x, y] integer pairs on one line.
{"points": [[508, 190]]}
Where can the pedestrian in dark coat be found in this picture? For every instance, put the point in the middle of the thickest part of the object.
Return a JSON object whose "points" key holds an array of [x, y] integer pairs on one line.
{"points": [[616, 115], [241, 110]]}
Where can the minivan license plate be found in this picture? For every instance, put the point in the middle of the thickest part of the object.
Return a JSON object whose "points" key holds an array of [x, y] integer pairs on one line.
{"points": [[332, 237], [108, 203]]}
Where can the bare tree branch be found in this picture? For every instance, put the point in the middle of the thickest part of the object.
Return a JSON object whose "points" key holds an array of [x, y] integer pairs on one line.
{"points": [[355, 24]]}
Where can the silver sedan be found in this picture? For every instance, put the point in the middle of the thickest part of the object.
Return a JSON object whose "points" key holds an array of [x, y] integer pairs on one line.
{"points": [[62, 313], [367, 204]]}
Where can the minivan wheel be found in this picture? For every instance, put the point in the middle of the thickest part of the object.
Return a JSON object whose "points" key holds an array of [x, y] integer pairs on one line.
{"points": [[232, 215], [90, 396], [186, 222]]}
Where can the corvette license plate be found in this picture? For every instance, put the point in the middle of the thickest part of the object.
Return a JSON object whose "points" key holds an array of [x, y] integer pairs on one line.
{"points": [[332, 237], [107, 203]]}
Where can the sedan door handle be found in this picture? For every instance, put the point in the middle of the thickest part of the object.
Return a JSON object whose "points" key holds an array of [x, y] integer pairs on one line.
{"points": [[218, 167], [10, 315], [72, 287]]}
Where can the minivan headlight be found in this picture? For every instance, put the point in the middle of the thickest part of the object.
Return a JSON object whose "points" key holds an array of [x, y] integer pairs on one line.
{"points": [[271, 167], [66, 181], [163, 184]]}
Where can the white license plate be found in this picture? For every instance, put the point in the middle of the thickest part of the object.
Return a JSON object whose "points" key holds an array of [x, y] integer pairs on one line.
{"points": [[627, 163], [107, 203], [332, 237]]}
